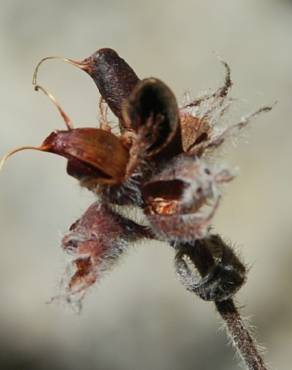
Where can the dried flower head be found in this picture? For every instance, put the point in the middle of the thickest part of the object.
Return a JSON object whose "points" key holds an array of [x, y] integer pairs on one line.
{"points": [[160, 163]]}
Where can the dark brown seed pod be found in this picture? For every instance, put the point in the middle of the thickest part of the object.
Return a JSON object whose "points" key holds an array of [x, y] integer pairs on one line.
{"points": [[113, 76], [152, 112]]}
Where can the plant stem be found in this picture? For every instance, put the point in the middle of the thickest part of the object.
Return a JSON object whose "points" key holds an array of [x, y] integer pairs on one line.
{"points": [[202, 256], [241, 338]]}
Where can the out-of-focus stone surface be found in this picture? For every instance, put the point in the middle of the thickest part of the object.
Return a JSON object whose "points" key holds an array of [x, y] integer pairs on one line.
{"points": [[139, 317]]}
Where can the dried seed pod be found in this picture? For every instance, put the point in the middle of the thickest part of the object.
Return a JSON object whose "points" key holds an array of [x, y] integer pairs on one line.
{"points": [[152, 112], [180, 201], [195, 131], [96, 241], [89, 153], [114, 78]]}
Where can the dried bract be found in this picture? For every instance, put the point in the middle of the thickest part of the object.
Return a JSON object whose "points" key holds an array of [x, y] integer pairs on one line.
{"points": [[95, 242]]}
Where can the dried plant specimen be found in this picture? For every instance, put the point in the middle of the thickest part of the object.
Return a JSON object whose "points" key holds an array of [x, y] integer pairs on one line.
{"points": [[160, 163]]}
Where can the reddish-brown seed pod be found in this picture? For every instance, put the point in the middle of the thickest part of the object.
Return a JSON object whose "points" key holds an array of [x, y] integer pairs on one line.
{"points": [[94, 156], [91, 153], [96, 241]]}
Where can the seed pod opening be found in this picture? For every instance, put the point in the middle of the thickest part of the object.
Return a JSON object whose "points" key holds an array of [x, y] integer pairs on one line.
{"points": [[163, 197], [152, 112]]}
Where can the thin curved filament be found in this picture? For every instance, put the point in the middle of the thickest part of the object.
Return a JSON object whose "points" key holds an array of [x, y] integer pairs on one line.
{"points": [[66, 118], [66, 60], [19, 149], [37, 87]]}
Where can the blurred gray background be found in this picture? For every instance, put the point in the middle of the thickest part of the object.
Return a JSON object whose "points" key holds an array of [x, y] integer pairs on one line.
{"points": [[139, 317]]}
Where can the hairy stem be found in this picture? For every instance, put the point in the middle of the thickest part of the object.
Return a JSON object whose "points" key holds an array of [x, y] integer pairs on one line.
{"points": [[202, 254], [241, 337]]}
